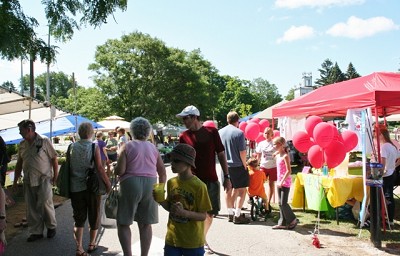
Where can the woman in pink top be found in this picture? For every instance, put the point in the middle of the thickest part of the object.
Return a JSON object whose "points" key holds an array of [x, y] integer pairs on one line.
{"points": [[138, 166], [287, 219]]}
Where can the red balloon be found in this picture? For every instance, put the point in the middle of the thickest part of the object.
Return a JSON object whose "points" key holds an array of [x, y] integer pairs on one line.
{"points": [[350, 140], [251, 131], [260, 137], [301, 141], [323, 134], [255, 120], [277, 133], [263, 124], [242, 126], [209, 123], [334, 154], [311, 122], [315, 156]]}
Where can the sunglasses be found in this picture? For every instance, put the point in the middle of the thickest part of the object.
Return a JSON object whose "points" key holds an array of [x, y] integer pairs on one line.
{"points": [[176, 161]]}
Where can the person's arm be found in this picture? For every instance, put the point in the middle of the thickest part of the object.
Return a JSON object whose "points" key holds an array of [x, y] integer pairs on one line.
{"points": [[100, 169], [105, 153], [224, 165], [54, 163], [177, 209], [162, 174], [17, 172], [121, 163], [243, 155]]}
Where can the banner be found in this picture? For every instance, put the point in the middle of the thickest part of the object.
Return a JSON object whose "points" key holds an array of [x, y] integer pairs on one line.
{"points": [[315, 194]]}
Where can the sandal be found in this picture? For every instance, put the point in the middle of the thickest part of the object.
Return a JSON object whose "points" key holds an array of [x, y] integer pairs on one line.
{"points": [[81, 253], [92, 248], [279, 227], [292, 225]]}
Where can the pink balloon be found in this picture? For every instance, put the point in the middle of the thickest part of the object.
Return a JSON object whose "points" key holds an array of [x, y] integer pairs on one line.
{"points": [[242, 126], [334, 154], [301, 141], [252, 130], [311, 122], [277, 133], [315, 156], [255, 120], [263, 124], [260, 137], [350, 140], [209, 123], [323, 134]]}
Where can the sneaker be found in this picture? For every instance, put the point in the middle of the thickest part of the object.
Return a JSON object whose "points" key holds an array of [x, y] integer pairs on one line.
{"points": [[230, 218], [241, 220], [208, 249]]}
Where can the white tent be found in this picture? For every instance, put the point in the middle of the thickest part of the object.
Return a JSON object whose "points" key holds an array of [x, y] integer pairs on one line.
{"points": [[109, 123], [267, 113]]}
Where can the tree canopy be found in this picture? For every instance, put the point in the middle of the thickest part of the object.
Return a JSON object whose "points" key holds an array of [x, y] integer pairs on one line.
{"points": [[19, 39]]}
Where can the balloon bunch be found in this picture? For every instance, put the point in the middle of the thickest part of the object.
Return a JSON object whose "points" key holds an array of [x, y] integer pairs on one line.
{"points": [[323, 143], [254, 129]]}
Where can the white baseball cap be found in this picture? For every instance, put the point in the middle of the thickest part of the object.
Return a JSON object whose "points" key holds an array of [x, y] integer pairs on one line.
{"points": [[189, 110]]}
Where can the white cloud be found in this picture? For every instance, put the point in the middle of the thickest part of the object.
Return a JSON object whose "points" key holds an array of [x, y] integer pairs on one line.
{"points": [[296, 33], [292, 4], [358, 28]]}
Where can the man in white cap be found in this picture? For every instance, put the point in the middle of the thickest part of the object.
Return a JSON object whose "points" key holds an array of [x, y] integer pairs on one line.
{"points": [[207, 142]]}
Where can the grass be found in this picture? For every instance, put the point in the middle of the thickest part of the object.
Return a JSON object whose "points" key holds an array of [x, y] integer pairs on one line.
{"points": [[328, 224]]}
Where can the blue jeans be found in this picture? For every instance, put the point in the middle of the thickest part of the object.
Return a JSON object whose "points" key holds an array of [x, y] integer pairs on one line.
{"points": [[178, 251]]}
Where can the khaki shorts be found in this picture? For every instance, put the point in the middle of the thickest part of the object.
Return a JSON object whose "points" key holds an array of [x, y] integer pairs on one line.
{"points": [[135, 201]]}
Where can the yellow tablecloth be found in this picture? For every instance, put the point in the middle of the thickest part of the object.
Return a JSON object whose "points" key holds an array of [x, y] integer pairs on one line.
{"points": [[338, 190]]}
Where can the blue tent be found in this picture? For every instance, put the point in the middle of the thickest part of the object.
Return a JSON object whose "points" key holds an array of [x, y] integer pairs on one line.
{"points": [[246, 118], [60, 126]]}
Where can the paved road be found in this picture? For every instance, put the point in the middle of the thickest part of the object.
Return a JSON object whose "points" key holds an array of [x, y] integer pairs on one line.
{"points": [[225, 238]]}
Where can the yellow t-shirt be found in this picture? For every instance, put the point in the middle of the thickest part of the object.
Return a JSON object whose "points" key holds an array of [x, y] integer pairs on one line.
{"points": [[192, 194]]}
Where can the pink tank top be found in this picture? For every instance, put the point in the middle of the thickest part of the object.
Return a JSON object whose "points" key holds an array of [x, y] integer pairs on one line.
{"points": [[281, 169]]}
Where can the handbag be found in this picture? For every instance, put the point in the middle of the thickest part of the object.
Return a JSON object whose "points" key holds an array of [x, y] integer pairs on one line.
{"points": [[63, 179], [111, 204], [94, 182]]}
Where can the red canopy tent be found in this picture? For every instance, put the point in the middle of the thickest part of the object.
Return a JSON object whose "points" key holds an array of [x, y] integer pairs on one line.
{"points": [[380, 91]]}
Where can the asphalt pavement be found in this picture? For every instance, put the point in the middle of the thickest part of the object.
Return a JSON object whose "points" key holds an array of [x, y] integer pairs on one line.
{"points": [[257, 238]]}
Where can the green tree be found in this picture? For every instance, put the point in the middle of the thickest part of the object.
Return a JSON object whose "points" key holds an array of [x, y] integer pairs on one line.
{"points": [[89, 102], [19, 29], [290, 95], [265, 94], [143, 77], [351, 72], [60, 83], [9, 85], [325, 73], [237, 97], [336, 75]]}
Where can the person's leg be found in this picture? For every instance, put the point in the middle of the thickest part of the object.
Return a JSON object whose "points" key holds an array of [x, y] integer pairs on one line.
{"points": [[230, 203], [94, 202], [124, 235], [287, 212], [33, 210], [240, 197], [281, 221], [78, 234], [271, 188], [388, 191], [146, 234], [45, 195]]}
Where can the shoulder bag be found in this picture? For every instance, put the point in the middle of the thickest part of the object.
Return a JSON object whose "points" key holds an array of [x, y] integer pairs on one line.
{"points": [[111, 204], [63, 178], [94, 182]]}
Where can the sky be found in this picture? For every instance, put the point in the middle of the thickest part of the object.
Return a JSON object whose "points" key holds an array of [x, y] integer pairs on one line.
{"points": [[277, 40]]}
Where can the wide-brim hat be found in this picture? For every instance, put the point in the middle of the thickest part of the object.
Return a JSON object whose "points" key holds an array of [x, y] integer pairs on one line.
{"points": [[184, 153]]}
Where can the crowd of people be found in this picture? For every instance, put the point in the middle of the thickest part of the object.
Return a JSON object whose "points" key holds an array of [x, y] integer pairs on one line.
{"points": [[192, 197]]}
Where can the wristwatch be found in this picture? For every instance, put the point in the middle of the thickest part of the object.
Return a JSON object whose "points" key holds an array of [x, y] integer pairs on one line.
{"points": [[227, 176], [2, 217]]}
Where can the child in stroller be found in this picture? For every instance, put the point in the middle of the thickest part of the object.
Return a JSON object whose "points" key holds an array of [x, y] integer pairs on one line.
{"points": [[256, 190]]}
